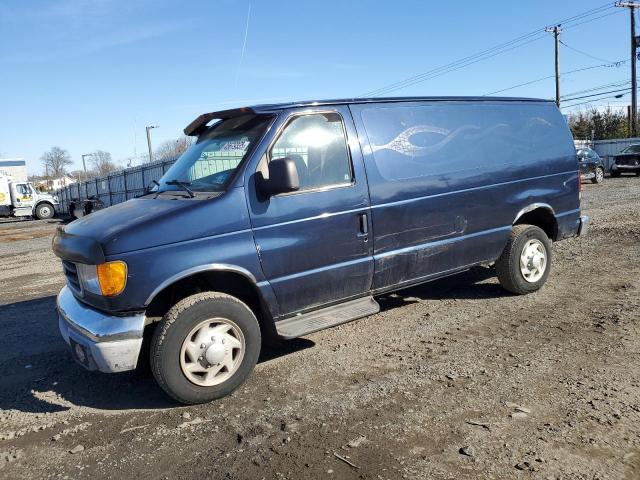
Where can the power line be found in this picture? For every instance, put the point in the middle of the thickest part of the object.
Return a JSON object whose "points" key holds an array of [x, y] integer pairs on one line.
{"points": [[597, 94], [612, 64], [600, 87], [443, 72], [590, 101], [593, 19], [483, 55], [585, 53]]}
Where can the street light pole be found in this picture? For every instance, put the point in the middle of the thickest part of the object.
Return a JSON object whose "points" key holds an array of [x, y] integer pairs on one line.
{"points": [[148, 129], [84, 163]]}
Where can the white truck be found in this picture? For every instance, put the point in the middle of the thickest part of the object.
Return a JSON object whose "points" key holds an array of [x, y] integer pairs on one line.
{"points": [[20, 199]]}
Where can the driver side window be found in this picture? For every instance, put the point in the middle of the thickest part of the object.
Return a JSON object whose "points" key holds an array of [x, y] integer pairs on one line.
{"points": [[318, 146], [23, 189]]}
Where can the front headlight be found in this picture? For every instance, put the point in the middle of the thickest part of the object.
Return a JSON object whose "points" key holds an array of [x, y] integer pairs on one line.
{"points": [[108, 279]]}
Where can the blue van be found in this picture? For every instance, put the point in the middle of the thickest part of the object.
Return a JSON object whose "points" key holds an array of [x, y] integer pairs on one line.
{"points": [[285, 219]]}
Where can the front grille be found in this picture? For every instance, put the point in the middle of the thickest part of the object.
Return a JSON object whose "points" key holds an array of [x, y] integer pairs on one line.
{"points": [[71, 272], [630, 160]]}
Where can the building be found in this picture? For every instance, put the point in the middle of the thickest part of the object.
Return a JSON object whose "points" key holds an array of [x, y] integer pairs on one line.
{"points": [[16, 168], [53, 183]]}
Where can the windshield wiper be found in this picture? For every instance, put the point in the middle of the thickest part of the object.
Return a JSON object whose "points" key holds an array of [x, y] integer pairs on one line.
{"points": [[183, 185]]}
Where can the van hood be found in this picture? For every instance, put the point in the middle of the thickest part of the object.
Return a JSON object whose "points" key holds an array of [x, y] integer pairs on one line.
{"points": [[152, 222]]}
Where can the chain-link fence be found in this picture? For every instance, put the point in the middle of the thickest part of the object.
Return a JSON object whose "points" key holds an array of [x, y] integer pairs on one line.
{"points": [[116, 187]]}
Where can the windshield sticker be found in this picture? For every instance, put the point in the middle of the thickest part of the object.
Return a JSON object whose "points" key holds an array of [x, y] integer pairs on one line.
{"points": [[241, 145]]}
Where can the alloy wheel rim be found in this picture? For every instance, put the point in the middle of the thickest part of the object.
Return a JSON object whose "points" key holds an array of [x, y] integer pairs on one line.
{"points": [[212, 352], [533, 260], [599, 175]]}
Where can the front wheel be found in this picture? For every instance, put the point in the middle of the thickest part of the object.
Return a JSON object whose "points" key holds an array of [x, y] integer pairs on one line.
{"points": [[44, 211], [525, 262], [205, 347], [599, 175], [615, 173]]}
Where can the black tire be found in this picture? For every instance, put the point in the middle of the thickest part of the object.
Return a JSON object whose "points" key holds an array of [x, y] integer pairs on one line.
{"points": [[508, 265], [614, 173], [44, 211], [599, 175], [179, 321]]}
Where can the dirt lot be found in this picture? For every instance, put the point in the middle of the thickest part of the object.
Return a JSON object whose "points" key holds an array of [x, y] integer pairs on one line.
{"points": [[541, 386]]}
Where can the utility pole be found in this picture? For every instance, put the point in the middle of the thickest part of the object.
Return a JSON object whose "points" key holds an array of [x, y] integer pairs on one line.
{"points": [[148, 129], [634, 44], [556, 33]]}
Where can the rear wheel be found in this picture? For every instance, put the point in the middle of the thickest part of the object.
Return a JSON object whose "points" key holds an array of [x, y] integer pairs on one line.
{"points": [[525, 262], [205, 347], [44, 211], [599, 175]]}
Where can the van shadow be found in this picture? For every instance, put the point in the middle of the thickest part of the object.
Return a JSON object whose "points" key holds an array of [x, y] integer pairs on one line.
{"points": [[462, 286], [38, 374]]}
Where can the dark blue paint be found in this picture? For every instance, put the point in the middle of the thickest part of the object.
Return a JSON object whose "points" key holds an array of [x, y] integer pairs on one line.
{"points": [[309, 241], [438, 200], [447, 179]]}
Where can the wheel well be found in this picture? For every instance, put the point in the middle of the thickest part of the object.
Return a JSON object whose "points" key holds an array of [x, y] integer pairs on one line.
{"points": [[231, 283], [41, 202], [542, 218]]}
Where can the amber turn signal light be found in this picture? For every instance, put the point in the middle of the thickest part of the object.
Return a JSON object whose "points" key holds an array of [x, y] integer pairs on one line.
{"points": [[112, 277]]}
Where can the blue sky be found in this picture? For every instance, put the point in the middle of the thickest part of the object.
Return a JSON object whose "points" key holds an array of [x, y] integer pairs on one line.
{"points": [[90, 74]]}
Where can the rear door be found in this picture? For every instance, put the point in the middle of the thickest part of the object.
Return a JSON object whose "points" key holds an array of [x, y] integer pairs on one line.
{"points": [[314, 243]]}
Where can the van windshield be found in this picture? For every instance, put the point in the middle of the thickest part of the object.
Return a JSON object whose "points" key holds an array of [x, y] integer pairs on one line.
{"points": [[210, 163]]}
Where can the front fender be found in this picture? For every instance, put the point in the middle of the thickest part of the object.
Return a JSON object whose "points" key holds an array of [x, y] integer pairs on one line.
{"points": [[212, 267]]}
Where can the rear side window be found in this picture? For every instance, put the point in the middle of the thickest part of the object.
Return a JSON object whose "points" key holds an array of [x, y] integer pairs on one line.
{"points": [[318, 145]]}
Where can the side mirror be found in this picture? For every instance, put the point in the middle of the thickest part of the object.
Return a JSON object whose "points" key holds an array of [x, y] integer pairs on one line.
{"points": [[283, 177]]}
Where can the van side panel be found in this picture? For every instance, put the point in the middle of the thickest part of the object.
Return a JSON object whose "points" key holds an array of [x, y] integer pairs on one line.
{"points": [[447, 180]]}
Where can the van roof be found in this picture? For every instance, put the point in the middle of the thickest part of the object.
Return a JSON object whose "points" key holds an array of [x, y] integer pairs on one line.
{"points": [[195, 127]]}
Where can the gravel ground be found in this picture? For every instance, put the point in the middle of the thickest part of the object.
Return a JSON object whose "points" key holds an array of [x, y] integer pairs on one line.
{"points": [[452, 379]]}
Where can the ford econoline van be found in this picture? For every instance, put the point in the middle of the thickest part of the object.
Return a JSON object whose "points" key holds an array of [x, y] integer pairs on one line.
{"points": [[285, 219]]}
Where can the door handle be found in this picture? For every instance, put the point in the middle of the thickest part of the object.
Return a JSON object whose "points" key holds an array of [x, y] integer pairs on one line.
{"points": [[364, 226]]}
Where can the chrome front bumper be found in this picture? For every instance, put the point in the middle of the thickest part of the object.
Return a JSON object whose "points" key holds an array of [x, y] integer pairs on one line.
{"points": [[98, 341], [583, 226]]}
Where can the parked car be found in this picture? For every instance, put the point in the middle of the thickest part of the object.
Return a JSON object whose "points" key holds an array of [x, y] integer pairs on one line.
{"points": [[285, 219], [627, 161], [591, 166]]}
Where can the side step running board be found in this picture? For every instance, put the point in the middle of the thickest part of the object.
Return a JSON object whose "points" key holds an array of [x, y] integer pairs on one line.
{"points": [[327, 317]]}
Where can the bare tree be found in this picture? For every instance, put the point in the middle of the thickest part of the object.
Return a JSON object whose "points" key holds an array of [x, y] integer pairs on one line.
{"points": [[173, 148], [102, 163], [55, 162]]}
